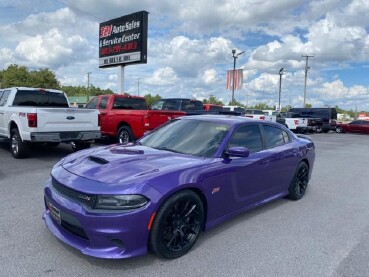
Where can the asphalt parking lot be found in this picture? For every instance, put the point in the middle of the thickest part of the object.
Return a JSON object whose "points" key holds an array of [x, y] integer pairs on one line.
{"points": [[324, 234]]}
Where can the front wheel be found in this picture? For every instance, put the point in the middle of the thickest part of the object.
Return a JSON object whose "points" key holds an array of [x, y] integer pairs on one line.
{"points": [[18, 147], [299, 182], [177, 225]]}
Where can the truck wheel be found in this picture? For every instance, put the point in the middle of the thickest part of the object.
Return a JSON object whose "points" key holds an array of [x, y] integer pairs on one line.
{"points": [[78, 145], [18, 148], [319, 130], [125, 135]]}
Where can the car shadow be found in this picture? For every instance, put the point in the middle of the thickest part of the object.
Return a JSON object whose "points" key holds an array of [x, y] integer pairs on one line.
{"points": [[151, 259]]}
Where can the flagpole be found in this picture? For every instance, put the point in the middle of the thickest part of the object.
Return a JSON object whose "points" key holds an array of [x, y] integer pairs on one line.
{"points": [[235, 56]]}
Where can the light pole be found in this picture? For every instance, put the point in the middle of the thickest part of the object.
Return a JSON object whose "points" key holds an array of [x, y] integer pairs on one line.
{"points": [[235, 56], [280, 88]]}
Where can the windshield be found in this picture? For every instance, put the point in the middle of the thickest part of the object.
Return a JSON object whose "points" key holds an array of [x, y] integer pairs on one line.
{"points": [[187, 136]]}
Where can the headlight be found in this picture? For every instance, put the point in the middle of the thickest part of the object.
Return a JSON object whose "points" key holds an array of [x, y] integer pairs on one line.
{"points": [[121, 202]]}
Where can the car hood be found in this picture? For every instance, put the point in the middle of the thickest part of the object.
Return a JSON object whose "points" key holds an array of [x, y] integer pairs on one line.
{"points": [[126, 164]]}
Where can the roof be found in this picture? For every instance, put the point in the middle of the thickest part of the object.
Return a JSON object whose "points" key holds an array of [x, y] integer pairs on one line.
{"points": [[226, 119]]}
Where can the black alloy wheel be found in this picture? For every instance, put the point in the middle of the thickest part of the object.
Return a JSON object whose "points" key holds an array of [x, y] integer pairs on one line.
{"points": [[339, 130], [319, 129], [125, 135], [177, 225], [299, 182]]}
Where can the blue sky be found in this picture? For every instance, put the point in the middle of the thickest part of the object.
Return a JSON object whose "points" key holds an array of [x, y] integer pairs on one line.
{"points": [[190, 47]]}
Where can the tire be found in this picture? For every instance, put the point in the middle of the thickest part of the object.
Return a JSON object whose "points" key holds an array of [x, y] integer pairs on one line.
{"points": [[319, 130], [78, 145], [18, 148], [125, 135], [299, 182], [339, 130], [177, 225]]}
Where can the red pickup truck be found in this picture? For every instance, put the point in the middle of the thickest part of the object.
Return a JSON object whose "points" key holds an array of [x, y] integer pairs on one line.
{"points": [[127, 118]]}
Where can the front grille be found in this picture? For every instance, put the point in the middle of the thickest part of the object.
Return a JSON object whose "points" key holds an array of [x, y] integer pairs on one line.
{"points": [[80, 197], [75, 230]]}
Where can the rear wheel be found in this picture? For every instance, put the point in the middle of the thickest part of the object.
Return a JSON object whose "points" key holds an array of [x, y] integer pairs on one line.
{"points": [[339, 129], [125, 135], [319, 129], [18, 148], [177, 225], [79, 145], [299, 182]]}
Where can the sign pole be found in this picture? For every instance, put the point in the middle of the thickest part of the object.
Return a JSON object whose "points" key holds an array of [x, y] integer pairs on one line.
{"points": [[121, 80]]}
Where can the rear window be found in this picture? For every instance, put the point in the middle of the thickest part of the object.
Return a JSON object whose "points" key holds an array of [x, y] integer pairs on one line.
{"points": [[192, 105], [40, 98], [130, 104], [215, 108]]}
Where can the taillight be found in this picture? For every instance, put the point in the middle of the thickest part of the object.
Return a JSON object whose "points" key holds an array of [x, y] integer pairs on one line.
{"points": [[99, 120], [262, 117], [32, 120], [296, 122], [146, 120]]}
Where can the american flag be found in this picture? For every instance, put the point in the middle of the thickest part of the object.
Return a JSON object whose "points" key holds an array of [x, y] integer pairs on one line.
{"points": [[238, 79]]}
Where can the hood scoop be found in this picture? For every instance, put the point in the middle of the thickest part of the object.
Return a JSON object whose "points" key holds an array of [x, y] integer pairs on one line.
{"points": [[98, 160], [126, 151]]}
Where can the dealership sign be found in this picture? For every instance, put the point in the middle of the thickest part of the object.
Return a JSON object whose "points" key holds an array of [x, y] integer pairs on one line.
{"points": [[123, 40]]}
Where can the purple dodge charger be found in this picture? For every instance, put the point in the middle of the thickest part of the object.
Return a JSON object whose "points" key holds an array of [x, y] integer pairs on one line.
{"points": [[159, 193]]}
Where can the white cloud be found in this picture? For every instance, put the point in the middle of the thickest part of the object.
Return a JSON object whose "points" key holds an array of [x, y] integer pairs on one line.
{"points": [[163, 77]]}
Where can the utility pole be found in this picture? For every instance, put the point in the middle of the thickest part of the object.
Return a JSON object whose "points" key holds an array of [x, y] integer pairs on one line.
{"points": [[306, 71], [88, 85], [280, 88], [138, 86]]}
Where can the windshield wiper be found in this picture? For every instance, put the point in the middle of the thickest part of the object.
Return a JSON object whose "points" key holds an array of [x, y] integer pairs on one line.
{"points": [[167, 149]]}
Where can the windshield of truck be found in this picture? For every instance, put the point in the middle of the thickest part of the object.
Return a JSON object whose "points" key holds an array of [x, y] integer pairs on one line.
{"points": [[121, 103], [40, 98]]}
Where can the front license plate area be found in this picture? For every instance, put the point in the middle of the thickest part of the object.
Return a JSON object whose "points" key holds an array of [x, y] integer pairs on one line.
{"points": [[54, 212]]}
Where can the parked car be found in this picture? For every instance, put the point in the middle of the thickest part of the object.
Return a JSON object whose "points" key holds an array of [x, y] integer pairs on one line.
{"points": [[34, 115], [190, 174], [126, 118], [356, 126], [328, 115]]}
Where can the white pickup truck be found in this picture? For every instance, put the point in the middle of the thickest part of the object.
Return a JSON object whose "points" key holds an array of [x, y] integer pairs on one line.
{"points": [[33, 115], [251, 113], [293, 122]]}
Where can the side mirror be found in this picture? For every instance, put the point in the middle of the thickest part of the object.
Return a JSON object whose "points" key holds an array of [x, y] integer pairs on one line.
{"points": [[238, 151]]}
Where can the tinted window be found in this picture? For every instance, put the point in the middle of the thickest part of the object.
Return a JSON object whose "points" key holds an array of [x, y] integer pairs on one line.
{"points": [[247, 136], [129, 103], [171, 104], [192, 137], [103, 102], [4, 97], [40, 98], [192, 105], [158, 105], [93, 103], [273, 136]]}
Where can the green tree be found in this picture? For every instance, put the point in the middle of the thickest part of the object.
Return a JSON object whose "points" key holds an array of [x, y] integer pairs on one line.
{"points": [[15, 76], [235, 103], [152, 99], [212, 100], [308, 105], [43, 78]]}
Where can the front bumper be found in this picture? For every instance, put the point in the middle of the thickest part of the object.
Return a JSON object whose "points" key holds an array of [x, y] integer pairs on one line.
{"points": [[65, 136], [99, 234]]}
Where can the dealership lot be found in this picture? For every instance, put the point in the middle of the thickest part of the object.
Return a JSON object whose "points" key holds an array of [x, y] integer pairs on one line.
{"points": [[324, 234]]}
